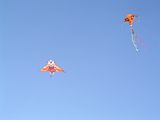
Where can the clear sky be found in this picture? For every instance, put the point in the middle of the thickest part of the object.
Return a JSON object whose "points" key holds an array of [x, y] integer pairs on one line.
{"points": [[105, 78]]}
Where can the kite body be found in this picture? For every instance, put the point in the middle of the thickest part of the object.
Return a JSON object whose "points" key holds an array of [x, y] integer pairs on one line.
{"points": [[130, 19], [51, 67]]}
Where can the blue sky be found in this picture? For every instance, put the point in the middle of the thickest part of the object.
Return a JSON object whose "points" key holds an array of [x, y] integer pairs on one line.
{"points": [[105, 78]]}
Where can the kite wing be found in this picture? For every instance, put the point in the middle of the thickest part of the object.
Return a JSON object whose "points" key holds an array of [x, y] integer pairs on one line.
{"points": [[44, 69], [58, 69]]}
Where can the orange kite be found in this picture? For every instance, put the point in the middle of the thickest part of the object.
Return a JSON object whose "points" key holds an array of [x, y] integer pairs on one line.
{"points": [[51, 67], [130, 19]]}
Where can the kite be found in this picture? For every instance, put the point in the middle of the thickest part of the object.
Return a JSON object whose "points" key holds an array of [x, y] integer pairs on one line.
{"points": [[130, 19], [51, 67]]}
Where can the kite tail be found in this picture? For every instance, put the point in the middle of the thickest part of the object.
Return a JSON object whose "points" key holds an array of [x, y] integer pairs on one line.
{"points": [[138, 41], [51, 75], [133, 40]]}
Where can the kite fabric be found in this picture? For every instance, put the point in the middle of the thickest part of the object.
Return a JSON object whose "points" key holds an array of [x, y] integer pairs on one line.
{"points": [[51, 67]]}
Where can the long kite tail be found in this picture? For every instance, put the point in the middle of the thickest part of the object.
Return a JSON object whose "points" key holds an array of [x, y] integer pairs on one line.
{"points": [[138, 40], [133, 39]]}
